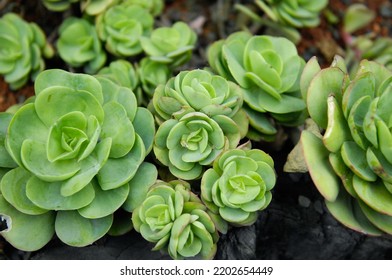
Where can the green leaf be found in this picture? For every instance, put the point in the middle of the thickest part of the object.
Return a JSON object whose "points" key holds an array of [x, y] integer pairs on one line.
{"points": [[5, 158], [343, 210], [337, 131], [355, 159], [144, 178], [25, 124], [77, 231], [119, 128], [356, 17], [311, 68], [316, 157], [74, 82], [145, 127], [374, 194], [104, 202], [233, 215], [326, 82], [362, 85], [48, 195], [13, 189], [27, 232], [118, 171], [382, 221]]}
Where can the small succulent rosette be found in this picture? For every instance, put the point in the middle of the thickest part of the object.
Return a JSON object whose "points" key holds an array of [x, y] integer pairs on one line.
{"points": [[199, 91], [152, 74], [79, 46], [77, 145], [22, 50], [121, 27], [58, 5], [350, 160], [170, 45], [238, 186], [268, 69], [294, 13], [193, 141], [176, 220]]}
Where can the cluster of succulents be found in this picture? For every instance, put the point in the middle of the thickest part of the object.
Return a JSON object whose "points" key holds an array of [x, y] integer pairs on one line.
{"points": [[268, 69], [22, 50]]}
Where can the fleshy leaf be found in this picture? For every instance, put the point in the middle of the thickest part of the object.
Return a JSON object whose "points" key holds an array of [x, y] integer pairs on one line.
{"points": [[77, 231]]}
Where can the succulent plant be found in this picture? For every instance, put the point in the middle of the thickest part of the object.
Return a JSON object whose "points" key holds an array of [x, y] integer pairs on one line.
{"points": [[58, 5], [171, 45], [238, 185], [155, 7], [189, 142], [198, 91], [121, 27], [79, 45], [268, 70], [176, 220], [23, 46], [350, 162], [78, 144], [152, 74], [295, 13]]}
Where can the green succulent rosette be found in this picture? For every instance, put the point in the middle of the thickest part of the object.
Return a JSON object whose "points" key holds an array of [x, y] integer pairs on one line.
{"points": [[121, 27], [294, 13], [199, 91], [22, 49], [238, 186], [78, 144], [268, 70], [152, 74], [58, 5], [350, 162], [79, 46], [170, 45], [192, 141], [176, 220]]}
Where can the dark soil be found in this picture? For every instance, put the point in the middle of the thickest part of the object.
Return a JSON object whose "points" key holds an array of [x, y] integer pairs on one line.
{"points": [[297, 224]]}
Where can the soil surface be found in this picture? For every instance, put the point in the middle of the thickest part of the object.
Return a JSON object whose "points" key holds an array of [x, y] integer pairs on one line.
{"points": [[297, 224]]}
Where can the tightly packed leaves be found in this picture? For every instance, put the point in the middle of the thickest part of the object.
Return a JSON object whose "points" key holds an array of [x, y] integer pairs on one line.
{"points": [[122, 26], [79, 45], [295, 13], [78, 143], [268, 69], [199, 91], [176, 220], [192, 141], [351, 162], [238, 185], [22, 48], [152, 74], [170, 45], [155, 7]]}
